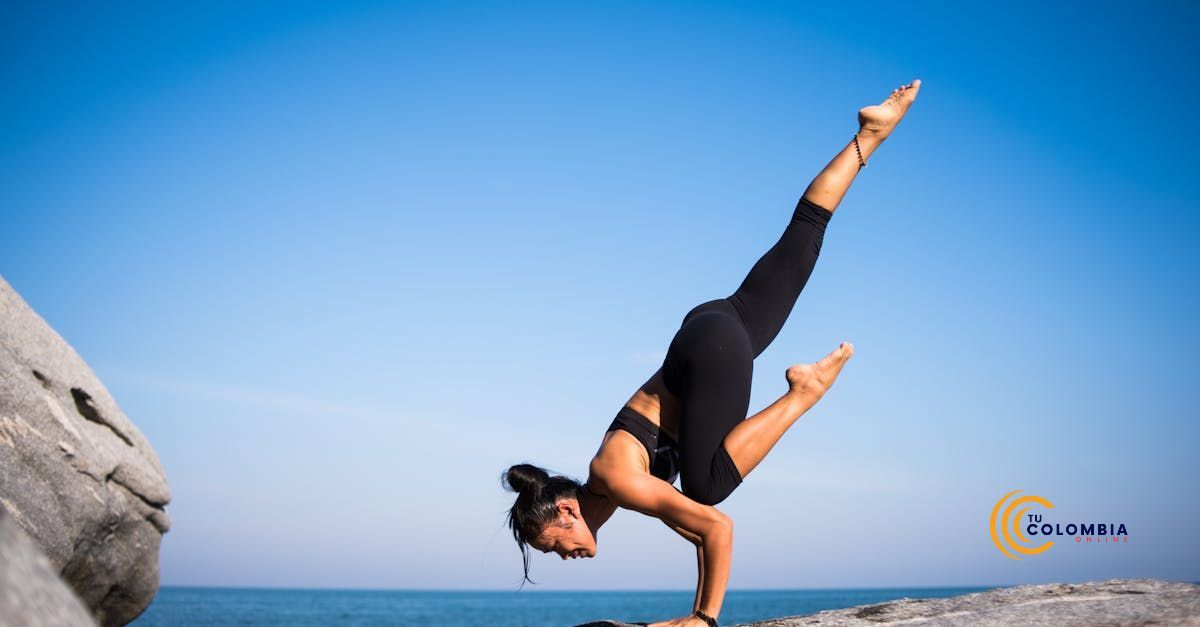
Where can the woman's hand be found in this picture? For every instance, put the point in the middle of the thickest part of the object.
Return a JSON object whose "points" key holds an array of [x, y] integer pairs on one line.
{"points": [[691, 620]]}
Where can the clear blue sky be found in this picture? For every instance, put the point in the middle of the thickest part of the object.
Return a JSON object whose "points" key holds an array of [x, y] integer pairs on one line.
{"points": [[344, 264]]}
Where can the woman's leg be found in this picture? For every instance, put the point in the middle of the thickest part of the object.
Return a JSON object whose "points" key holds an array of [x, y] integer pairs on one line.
{"points": [[709, 363], [750, 440], [875, 123], [765, 299], [766, 296], [709, 367]]}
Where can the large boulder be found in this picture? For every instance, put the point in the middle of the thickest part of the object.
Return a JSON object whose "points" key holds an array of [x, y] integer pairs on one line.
{"points": [[1112, 602], [75, 473], [31, 592]]}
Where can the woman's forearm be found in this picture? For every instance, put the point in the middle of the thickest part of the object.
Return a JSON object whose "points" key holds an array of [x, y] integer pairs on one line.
{"points": [[698, 541], [716, 555]]}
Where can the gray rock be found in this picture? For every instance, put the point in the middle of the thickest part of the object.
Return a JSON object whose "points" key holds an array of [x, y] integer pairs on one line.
{"points": [[75, 473], [31, 592], [1112, 602]]}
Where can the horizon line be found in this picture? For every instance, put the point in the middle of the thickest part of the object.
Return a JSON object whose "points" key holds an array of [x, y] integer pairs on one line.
{"points": [[653, 590]]}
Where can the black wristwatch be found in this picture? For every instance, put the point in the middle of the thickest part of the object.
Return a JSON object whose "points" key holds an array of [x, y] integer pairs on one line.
{"points": [[712, 622]]}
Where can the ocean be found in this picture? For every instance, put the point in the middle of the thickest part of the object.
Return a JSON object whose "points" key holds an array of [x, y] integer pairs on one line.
{"points": [[176, 606]]}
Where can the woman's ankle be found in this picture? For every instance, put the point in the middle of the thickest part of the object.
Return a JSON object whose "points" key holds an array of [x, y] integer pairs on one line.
{"points": [[872, 136]]}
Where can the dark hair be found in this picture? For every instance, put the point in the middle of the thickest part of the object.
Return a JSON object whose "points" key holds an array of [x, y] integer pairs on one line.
{"points": [[538, 494]]}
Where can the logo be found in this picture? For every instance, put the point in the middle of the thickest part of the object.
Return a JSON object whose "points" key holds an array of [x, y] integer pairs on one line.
{"points": [[1015, 528]]}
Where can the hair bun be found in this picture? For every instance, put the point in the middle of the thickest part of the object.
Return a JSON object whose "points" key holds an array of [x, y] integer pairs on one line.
{"points": [[524, 478]]}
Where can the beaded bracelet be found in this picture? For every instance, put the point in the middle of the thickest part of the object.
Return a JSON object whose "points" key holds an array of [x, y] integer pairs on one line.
{"points": [[712, 622]]}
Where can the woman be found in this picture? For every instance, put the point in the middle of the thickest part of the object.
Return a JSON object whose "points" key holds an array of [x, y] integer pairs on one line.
{"points": [[688, 420]]}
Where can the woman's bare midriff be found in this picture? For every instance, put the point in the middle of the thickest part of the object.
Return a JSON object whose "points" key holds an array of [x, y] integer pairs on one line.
{"points": [[653, 401]]}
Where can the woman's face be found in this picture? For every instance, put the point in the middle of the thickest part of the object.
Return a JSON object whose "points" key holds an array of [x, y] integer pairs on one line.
{"points": [[569, 536]]}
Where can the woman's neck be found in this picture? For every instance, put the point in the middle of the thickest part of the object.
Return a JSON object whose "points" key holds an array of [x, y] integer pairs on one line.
{"points": [[595, 508]]}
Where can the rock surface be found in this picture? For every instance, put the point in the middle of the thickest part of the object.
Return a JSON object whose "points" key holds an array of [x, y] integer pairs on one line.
{"points": [[1112, 602], [75, 473], [31, 592]]}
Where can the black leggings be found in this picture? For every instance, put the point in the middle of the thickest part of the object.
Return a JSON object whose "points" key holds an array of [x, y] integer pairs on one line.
{"points": [[710, 362]]}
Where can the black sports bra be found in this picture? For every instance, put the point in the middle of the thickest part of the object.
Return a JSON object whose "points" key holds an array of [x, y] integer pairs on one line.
{"points": [[663, 450]]}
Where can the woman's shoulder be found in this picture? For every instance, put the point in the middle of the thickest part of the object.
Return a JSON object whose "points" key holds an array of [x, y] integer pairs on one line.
{"points": [[621, 456], [620, 453]]}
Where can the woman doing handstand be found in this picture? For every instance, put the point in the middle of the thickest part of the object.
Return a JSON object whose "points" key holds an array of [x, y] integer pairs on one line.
{"points": [[688, 421]]}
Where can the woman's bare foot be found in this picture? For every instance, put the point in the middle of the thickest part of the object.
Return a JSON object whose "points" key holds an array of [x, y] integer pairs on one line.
{"points": [[879, 120], [813, 380]]}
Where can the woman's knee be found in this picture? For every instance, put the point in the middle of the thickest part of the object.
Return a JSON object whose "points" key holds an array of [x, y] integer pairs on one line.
{"points": [[708, 495], [722, 481]]}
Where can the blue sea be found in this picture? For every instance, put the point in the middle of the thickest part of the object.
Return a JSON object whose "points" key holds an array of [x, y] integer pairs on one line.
{"points": [[253, 606]]}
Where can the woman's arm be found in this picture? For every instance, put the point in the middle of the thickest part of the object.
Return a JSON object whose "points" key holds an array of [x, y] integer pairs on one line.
{"points": [[696, 540], [654, 497]]}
